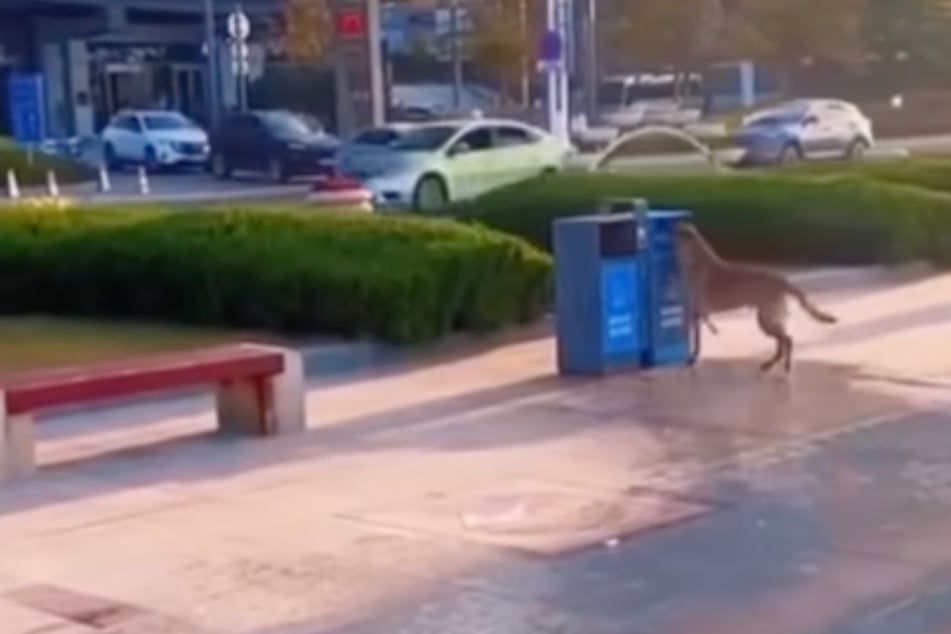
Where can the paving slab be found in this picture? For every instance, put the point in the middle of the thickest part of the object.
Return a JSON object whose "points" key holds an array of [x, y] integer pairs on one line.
{"points": [[475, 491]]}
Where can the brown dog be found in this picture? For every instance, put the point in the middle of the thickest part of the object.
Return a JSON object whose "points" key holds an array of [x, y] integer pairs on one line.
{"points": [[714, 285]]}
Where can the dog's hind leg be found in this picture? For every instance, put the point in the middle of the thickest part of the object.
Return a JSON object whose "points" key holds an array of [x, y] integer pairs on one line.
{"points": [[771, 320]]}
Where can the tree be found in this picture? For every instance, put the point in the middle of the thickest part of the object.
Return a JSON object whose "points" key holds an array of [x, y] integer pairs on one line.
{"points": [[505, 39], [307, 30], [913, 31], [785, 35]]}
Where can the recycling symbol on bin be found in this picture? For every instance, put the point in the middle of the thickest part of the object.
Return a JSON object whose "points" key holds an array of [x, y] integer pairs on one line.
{"points": [[618, 293], [672, 289]]}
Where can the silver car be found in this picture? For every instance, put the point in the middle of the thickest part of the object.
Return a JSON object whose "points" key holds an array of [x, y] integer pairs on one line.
{"points": [[804, 129]]}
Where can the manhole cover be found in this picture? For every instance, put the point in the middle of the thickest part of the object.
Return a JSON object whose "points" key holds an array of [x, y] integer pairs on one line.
{"points": [[541, 513], [540, 517]]}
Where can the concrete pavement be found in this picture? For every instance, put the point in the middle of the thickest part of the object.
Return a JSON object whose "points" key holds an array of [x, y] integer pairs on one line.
{"points": [[476, 492]]}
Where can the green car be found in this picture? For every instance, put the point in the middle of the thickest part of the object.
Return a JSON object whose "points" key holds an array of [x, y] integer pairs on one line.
{"points": [[424, 166]]}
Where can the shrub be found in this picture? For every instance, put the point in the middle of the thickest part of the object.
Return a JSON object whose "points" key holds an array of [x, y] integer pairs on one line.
{"points": [[761, 217], [33, 171], [932, 172], [399, 279]]}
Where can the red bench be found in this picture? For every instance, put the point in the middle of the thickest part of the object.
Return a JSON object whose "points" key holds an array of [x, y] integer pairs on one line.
{"points": [[259, 391]]}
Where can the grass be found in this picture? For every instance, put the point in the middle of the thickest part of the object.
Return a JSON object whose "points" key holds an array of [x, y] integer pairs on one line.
{"points": [[38, 342]]}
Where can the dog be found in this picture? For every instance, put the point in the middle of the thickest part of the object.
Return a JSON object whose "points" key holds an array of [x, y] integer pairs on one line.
{"points": [[715, 285]]}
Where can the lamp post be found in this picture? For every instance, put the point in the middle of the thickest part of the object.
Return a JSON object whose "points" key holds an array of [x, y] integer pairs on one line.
{"points": [[211, 47]]}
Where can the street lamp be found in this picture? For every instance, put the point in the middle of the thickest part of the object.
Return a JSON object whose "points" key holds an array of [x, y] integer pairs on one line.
{"points": [[211, 46]]}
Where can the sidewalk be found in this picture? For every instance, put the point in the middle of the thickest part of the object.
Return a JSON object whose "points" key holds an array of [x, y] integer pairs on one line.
{"points": [[478, 492]]}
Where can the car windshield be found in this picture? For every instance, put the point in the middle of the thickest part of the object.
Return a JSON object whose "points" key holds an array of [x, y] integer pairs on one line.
{"points": [[424, 139], [167, 121], [286, 124], [377, 136]]}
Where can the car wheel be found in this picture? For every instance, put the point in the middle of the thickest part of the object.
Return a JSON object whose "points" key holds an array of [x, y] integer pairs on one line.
{"points": [[790, 154], [856, 151], [277, 170], [430, 194], [220, 167], [151, 160], [109, 156]]}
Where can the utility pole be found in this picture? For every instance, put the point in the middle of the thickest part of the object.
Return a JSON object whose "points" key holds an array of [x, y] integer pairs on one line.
{"points": [[211, 46], [457, 79], [590, 66], [377, 71]]}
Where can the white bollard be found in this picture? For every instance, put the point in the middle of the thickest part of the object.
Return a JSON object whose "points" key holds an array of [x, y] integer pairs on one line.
{"points": [[144, 187], [13, 188], [52, 187], [105, 184]]}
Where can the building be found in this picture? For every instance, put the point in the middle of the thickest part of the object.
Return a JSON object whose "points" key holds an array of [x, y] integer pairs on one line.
{"points": [[98, 56]]}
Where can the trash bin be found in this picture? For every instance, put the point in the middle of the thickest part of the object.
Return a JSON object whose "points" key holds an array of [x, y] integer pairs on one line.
{"points": [[599, 292], [668, 335]]}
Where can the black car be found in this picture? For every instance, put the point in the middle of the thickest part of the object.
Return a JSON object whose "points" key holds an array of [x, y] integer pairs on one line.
{"points": [[278, 143]]}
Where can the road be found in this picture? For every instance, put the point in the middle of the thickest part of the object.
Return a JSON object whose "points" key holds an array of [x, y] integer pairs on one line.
{"points": [[186, 187]]}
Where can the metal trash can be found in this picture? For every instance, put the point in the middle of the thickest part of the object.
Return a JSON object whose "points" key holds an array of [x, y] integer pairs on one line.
{"points": [[600, 316], [668, 334]]}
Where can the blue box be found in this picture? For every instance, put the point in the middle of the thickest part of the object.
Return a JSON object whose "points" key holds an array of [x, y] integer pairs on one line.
{"points": [[668, 329], [599, 294]]}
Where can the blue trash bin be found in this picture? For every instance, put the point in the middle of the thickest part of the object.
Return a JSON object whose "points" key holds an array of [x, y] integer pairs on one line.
{"points": [[668, 335], [599, 294]]}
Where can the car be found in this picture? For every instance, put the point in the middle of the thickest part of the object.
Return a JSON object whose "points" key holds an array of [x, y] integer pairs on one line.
{"points": [[804, 129], [155, 139], [425, 166], [279, 143]]}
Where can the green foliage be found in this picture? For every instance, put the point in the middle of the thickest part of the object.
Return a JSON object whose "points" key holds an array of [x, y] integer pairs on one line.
{"points": [[398, 279], [767, 217]]}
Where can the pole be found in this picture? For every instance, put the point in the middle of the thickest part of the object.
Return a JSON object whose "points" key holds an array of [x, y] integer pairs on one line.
{"points": [[214, 96], [558, 109], [457, 79], [591, 59], [377, 84]]}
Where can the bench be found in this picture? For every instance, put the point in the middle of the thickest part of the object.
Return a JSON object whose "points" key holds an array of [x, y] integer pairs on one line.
{"points": [[259, 392]]}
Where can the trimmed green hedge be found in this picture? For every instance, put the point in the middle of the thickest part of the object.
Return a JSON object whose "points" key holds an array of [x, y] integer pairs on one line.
{"points": [[764, 217], [398, 279], [34, 172], [931, 172]]}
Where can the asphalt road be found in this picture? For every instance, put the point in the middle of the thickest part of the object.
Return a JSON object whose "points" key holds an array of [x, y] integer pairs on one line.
{"points": [[197, 186]]}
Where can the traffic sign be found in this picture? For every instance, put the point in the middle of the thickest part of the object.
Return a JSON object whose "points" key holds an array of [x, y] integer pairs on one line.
{"points": [[239, 26], [551, 49], [351, 23], [27, 107]]}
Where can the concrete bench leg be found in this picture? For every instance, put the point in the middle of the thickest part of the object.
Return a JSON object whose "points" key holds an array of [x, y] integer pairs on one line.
{"points": [[264, 406], [17, 448]]}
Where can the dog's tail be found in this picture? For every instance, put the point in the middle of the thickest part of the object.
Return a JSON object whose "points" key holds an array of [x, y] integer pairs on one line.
{"points": [[808, 306]]}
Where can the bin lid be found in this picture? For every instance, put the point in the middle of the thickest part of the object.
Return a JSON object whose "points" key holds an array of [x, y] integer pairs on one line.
{"points": [[596, 219], [665, 214]]}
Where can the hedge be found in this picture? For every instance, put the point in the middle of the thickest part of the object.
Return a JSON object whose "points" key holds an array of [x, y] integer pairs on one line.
{"points": [[929, 172], [762, 217], [33, 172], [397, 279]]}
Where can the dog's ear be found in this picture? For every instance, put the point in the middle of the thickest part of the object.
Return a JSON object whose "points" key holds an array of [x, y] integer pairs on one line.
{"points": [[687, 231]]}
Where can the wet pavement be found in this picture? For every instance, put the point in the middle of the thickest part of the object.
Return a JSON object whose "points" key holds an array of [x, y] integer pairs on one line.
{"points": [[851, 537]]}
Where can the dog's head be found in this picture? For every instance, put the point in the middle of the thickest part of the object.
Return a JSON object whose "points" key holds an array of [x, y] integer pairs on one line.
{"points": [[687, 232]]}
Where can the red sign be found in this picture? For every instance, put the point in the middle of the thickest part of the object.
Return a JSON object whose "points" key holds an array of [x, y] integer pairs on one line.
{"points": [[351, 23]]}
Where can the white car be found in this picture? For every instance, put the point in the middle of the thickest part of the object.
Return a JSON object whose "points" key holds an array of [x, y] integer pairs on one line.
{"points": [[427, 165], [154, 138]]}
